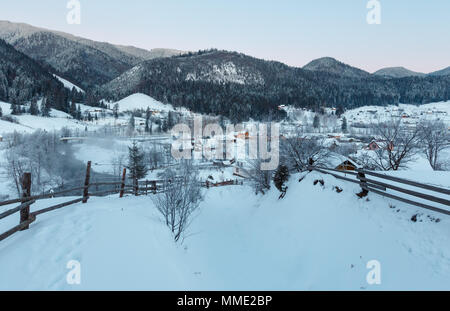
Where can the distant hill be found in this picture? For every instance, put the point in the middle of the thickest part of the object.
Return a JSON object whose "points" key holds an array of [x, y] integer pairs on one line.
{"points": [[443, 72], [331, 65], [398, 72]]}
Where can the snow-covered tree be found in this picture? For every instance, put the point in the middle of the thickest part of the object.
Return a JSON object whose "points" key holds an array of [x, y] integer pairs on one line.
{"points": [[297, 151], [116, 111], [434, 139], [181, 197], [281, 177], [45, 107], [34, 109], [259, 177], [316, 122], [398, 145], [131, 125], [344, 125], [136, 162], [148, 121]]}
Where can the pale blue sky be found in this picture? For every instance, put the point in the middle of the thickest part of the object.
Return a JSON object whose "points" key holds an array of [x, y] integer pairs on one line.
{"points": [[413, 33]]}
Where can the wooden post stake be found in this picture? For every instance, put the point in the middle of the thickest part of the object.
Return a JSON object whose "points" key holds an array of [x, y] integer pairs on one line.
{"points": [[86, 183], [365, 191], [26, 193], [122, 186], [310, 163], [136, 184], [154, 186]]}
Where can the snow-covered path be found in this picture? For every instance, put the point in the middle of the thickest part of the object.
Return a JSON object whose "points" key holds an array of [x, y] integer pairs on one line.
{"points": [[315, 238]]}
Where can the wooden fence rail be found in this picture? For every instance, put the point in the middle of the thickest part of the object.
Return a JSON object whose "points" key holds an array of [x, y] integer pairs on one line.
{"points": [[380, 187], [142, 187]]}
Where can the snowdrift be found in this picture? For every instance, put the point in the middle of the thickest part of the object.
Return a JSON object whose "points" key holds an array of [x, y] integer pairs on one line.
{"points": [[313, 239]]}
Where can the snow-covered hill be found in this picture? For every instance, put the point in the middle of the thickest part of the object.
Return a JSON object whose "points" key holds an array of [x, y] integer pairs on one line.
{"points": [[314, 239], [142, 101]]}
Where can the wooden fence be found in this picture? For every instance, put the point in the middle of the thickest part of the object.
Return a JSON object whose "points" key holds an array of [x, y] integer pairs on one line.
{"points": [[383, 183], [142, 187]]}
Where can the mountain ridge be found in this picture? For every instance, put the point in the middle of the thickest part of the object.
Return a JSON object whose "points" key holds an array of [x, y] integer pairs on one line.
{"points": [[66, 53], [22, 78], [237, 85]]}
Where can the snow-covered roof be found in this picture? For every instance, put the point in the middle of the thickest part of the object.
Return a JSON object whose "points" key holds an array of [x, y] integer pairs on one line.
{"points": [[336, 159]]}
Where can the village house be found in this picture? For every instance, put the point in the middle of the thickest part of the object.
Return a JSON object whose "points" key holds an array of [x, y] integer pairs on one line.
{"points": [[340, 162]]}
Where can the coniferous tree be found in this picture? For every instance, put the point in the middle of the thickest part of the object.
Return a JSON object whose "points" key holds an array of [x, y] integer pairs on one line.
{"points": [[116, 111], [136, 162], [45, 108], [73, 110], [34, 109], [78, 114], [344, 125], [170, 120], [316, 122], [15, 109], [339, 110], [281, 177], [148, 125], [131, 125]]}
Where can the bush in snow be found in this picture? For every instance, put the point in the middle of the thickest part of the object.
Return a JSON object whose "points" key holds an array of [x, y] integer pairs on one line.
{"points": [[181, 197]]}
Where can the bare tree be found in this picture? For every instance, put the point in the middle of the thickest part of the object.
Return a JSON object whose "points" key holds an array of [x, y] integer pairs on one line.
{"points": [[398, 145], [51, 162], [180, 199], [297, 151], [260, 178], [433, 140]]}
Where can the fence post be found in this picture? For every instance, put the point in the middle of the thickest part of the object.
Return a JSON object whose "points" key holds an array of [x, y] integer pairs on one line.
{"points": [[122, 186], [26, 193], [362, 178], [146, 187], [136, 189], [310, 163], [86, 183]]}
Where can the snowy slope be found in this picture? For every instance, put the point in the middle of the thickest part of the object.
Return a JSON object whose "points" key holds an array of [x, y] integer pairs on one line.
{"points": [[27, 123], [68, 85], [141, 101], [314, 239], [413, 114]]}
